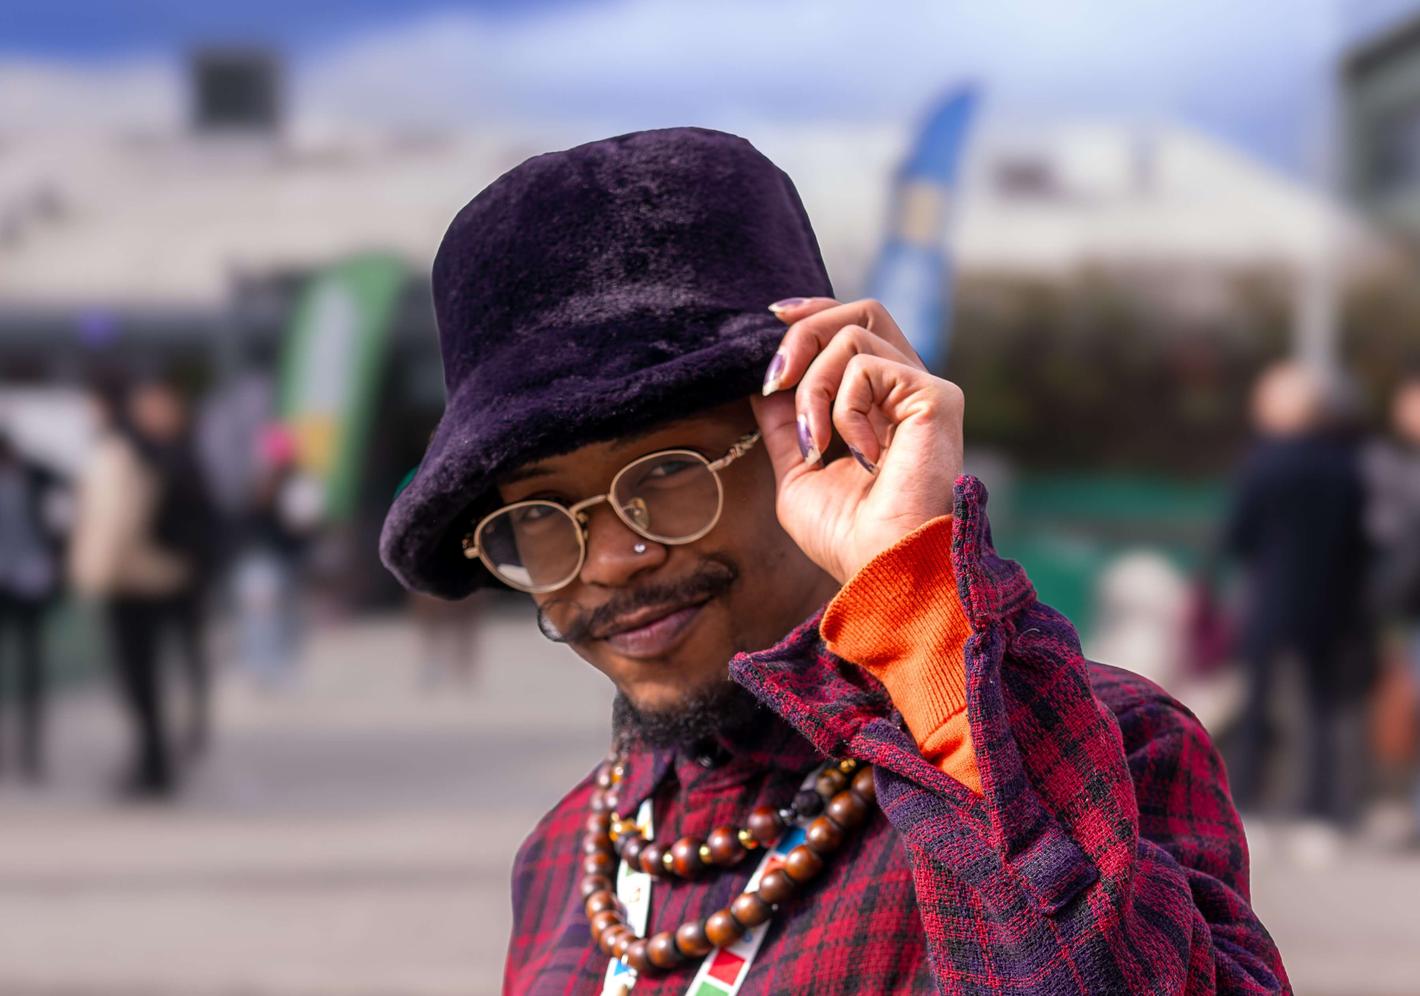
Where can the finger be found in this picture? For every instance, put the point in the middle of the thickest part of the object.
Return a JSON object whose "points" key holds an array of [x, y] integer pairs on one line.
{"points": [[808, 336], [791, 309], [813, 397], [911, 401], [778, 430]]}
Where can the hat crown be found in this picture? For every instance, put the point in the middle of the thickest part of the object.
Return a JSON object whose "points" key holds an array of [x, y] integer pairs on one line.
{"points": [[656, 236]]}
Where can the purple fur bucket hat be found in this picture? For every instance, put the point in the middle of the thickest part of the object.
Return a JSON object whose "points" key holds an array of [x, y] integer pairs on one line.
{"points": [[591, 292]]}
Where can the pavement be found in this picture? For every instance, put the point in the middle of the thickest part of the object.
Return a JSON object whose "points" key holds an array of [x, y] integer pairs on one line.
{"points": [[352, 834]]}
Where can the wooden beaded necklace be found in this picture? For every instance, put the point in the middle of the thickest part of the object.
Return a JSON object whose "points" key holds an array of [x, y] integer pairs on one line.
{"points": [[839, 803]]}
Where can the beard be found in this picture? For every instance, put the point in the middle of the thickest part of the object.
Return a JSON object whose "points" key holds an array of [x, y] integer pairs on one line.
{"points": [[724, 710]]}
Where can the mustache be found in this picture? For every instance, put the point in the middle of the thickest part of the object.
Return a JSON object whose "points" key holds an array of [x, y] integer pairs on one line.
{"points": [[714, 576]]}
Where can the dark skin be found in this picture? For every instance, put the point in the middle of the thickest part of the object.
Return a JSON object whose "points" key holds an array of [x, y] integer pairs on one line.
{"points": [[776, 588]]}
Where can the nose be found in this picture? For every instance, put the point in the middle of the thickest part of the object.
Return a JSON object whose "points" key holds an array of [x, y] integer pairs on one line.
{"points": [[612, 560]]}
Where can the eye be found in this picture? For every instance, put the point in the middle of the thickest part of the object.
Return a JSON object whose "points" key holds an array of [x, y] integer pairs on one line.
{"points": [[670, 467]]}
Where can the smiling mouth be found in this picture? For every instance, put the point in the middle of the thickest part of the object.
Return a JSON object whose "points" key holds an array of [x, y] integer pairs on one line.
{"points": [[653, 632]]}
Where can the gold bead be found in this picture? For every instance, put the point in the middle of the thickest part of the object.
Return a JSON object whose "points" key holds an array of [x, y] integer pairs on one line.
{"points": [[617, 772], [705, 853], [848, 765], [747, 840], [668, 860]]}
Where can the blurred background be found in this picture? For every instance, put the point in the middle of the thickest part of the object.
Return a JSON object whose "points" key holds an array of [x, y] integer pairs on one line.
{"points": [[1168, 250]]}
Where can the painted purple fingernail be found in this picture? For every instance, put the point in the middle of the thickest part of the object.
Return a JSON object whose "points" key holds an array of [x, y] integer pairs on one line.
{"points": [[863, 461], [773, 374], [806, 441], [787, 303]]}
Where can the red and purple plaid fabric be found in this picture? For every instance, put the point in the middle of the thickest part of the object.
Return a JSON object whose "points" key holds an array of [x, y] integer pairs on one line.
{"points": [[1105, 855]]}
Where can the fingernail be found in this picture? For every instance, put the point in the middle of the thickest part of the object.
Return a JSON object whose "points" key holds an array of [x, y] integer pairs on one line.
{"points": [[772, 375], [787, 303], [863, 461], [806, 441]]}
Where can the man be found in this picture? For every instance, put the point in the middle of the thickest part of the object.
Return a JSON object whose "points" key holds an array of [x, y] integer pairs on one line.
{"points": [[1296, 525], [752, 522], [30, 555]]}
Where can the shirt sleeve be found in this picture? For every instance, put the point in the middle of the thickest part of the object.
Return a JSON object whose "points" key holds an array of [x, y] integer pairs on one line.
{"points": [[913, 644], [1103, 853]]}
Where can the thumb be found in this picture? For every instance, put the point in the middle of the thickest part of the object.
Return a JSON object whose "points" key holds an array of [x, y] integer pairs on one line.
{"points": [[779, 429]]}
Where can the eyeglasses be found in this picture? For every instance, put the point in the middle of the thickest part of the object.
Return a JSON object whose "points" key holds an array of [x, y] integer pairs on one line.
{"points": [[670, 497]]}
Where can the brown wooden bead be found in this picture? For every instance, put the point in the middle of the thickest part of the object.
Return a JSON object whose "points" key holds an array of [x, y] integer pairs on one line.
{"points": [[722, 928], [651, 858], [604, 776], [725, 848], [765, 825], [599, 803], [802, 864], [831, 782], [691, 939], [603, 899], [750, 910], [685, 857], [636, 955], [631, 850], [600, 863], [603, 920], [621, 942], [776, 886], [661, 949], [824, 836], [598, 823], [606, 941], [594, 883], [613, 801], [594, 842], [863, 785], [848, 809]]}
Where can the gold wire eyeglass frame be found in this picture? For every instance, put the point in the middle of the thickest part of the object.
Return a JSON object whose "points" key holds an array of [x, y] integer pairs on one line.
{"points": [[582, 521]]}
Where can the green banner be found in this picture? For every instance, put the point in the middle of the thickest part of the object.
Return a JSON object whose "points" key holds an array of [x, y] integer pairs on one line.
{"points": [[334, 354]]}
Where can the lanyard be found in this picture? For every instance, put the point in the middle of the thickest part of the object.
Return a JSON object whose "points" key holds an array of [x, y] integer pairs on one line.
{"points": [[723, 970]]}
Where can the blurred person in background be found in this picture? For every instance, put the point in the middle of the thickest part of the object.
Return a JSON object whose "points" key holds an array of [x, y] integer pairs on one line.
{"points": [[1394, 520], [447, 632], [822, 667], [185, 523], [31, 579], [139, 547], [1296, 527], [282, 517]]}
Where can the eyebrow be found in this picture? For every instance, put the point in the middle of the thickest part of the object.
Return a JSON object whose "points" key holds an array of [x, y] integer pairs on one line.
{"points": [[536, 470]]}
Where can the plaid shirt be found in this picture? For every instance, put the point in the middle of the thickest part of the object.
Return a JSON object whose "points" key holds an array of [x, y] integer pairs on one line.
{"points": [[1104, 855]]}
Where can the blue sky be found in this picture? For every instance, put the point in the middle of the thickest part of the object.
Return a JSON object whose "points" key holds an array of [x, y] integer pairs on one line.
{"points": [[1249, 73]]}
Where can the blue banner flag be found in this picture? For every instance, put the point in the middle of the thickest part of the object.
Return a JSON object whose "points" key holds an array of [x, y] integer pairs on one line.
{"points": [[912, 274]]}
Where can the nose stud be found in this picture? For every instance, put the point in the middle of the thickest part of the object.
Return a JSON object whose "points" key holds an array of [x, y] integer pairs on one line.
{"points": [[639, 548]]}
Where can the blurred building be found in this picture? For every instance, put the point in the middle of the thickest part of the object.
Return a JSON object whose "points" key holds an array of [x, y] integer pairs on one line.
{"points": [[1056, 198], [1380, 101]]}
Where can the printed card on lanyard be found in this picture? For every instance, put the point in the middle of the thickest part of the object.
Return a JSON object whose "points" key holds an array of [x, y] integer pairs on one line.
{"points": [[723, 970]]}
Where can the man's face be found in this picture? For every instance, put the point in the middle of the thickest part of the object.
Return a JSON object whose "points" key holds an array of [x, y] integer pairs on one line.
{"points": [[1405, 412], [690, 607]]}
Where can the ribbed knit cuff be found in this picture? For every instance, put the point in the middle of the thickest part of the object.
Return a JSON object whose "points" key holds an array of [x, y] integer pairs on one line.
{"points": [[899, 618]]}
